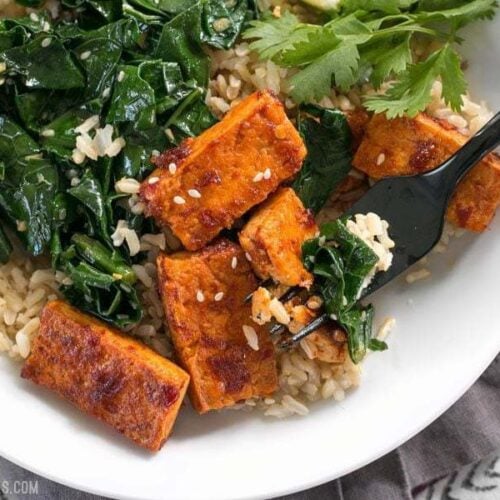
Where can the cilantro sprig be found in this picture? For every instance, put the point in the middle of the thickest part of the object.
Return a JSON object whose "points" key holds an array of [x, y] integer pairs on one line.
{"points": [[371, 40]]}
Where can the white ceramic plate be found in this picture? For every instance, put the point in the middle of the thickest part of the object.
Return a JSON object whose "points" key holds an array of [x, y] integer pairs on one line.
{"points": [[447, 334]]}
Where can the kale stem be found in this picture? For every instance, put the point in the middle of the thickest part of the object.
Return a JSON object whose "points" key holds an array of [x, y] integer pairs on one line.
{"points": [[97, 254]]}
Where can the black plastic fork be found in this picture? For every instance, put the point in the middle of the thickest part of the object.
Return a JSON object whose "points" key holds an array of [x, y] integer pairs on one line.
{"points": [[414, 206]]}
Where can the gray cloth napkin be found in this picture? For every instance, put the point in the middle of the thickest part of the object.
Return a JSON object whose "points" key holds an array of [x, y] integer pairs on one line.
{"points": [[457, 457]]}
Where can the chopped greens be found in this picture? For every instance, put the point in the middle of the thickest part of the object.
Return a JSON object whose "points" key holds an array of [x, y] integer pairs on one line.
{"points": [[327, 136], [140, 67], [371, 41], [341, 263]]}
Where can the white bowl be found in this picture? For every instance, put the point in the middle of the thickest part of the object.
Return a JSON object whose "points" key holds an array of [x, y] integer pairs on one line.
{"points": [[447, 333]]}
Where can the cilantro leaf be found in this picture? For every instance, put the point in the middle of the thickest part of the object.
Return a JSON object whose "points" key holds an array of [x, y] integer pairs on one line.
{"points": [[388, 58], [339, 66], [372, 39], [412, 92], [275, 35]]}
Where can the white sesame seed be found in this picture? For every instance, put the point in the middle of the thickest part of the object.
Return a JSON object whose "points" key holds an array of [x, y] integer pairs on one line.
{"points": [[267, 173], [380, 159], [218, 296], [199, 296], [258, 177], [85, 55], [45, 26], [48, 132], [194, 193], [121, 76], [179, 200], [234, 262], [34, 17], [172, 168], [153, 180], [248, 256], [106, 92], [46, 42], [155, 152]]}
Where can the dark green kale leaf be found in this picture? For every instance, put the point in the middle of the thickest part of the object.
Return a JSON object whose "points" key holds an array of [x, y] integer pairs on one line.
{"points": [[15, 143], [341, 263], [101, 282], [327, 136], [133, 100], [26, 198], [100, 62], [223, 23], [181, 42], [90, 194], [44, 63]]}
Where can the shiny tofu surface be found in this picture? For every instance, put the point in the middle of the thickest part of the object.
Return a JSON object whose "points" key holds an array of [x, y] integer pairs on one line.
{"points": [[404, 146], [273, 238], [224, 172], [204, 298], [107, 375]]}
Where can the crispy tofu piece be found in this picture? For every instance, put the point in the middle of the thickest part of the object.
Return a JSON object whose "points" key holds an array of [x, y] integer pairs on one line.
{"points": [[204, 298], [106, 374], [273, 238], [328, 344], [405, 146], [220, 174], [358, 120]]}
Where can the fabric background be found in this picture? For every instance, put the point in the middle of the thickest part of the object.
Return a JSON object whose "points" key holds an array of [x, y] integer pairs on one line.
{"points": [[455, 458]]}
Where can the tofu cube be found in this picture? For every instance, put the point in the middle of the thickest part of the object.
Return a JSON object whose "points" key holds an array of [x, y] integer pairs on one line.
{"points": [[106, 374], [273, 239], [204, 298], [208, 182], [405, 146]]}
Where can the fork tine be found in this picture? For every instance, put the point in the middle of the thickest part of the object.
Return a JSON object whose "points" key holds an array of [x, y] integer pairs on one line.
{"points": [[277, 329], [307, 330], [289, 294]]}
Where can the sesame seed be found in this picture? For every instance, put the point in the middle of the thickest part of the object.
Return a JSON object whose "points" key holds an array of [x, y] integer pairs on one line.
{"points": [[258, 177], [172, 168], [234, 262], [218, 296], [121, 76], [179, 200], [46, 42], [199, 296], [48, 132], [248, 256], [45, 26], [85, 55], [155, 152], [380, 159], [106, 92], [194, 193], [34, 17], [267, 173], [153, 180]]}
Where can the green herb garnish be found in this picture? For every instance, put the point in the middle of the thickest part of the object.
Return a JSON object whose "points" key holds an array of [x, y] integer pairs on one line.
{"points": [[370, 40], [327, 136], [341, 262]]}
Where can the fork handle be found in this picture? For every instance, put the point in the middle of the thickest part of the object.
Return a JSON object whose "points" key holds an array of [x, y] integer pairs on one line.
{"points": [[452, 170]]}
